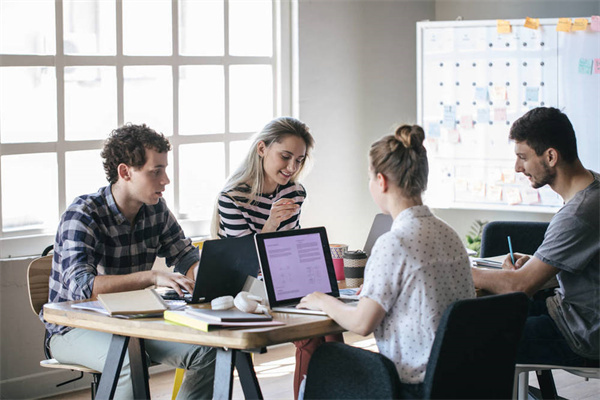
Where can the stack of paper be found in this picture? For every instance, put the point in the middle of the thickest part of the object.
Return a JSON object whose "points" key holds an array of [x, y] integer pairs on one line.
{"points": [[206, 319], [489, 262], [132, 304]]}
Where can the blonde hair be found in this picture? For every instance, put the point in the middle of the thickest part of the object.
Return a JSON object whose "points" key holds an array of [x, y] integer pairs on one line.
{"points": [[251, 171], [402, 158]]}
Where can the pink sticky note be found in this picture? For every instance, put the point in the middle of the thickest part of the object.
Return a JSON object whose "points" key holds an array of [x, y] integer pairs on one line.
{"points": [[500, 114], [466, 122], [597, 65], [595, 26]]}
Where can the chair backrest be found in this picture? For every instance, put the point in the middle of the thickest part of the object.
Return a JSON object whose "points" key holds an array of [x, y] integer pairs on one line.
{"points": [[38, 274], [525, 237], [339, 371], [474, 352]]}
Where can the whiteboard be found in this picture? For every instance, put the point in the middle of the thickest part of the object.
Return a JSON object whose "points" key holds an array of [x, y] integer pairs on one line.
{"points": [[473, 83]]}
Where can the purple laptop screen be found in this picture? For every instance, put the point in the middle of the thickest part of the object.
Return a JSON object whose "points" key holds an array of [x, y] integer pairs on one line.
{"points": [[297, 265]]}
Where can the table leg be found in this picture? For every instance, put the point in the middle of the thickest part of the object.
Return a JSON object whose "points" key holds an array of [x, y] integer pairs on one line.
{"points": [[139, 368], [224, 363], [112, 367], [248, 380]]}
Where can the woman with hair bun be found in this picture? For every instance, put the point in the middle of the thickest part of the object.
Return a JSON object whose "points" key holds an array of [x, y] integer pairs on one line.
{"points": [[415, 271]]}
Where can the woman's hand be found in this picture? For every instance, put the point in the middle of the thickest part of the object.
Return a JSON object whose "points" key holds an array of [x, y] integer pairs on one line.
{"points": [[313, 301], [520, 260], [281, 210]]}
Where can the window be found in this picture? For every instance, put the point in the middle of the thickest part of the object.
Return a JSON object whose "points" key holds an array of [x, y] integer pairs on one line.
{"points": [[206, 73]]}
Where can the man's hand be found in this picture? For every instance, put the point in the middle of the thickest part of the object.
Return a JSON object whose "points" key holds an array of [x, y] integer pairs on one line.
{"points": [[174, 280], [281, 210], [520, 260]]}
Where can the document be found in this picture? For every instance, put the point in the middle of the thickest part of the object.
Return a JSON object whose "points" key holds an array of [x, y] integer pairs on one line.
{"points": [[198, 322]]}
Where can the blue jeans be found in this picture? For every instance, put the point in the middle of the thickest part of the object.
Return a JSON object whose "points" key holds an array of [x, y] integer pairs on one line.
{"points": [[543, 343], [89, 348]]}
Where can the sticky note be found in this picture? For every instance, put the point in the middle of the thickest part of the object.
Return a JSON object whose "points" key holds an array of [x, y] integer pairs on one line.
{"points": [[453, 136], [564, 25], [481, 93], [513, 195], [503, 26], [585, 66], [580, 24], [530, 196], [434, 130], [595, 26], [449, 117], [483, 115], [494, 192], [498, 93], [532, 93], [597, 65], [500, 114], [532, 23], [466, 122]]}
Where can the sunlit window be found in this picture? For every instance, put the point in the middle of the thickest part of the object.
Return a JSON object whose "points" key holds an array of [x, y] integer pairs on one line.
{"points": [[203, 72]]}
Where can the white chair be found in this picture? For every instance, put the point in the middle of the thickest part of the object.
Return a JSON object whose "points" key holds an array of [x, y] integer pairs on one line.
{"points": [[521, 390]]}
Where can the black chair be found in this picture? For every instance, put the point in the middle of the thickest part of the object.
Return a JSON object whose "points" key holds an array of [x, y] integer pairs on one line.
{"points": [[525, 237], [340, 371], [472, 357], [475, 348]]}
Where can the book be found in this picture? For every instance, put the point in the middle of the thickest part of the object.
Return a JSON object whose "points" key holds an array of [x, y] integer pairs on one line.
{"points": [[198, 322], [231, 315], [489, 262], [145, 301], [96, 306]]}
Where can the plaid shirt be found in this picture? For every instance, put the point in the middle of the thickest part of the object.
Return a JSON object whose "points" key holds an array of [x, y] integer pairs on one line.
{"points": [[94, 238]]}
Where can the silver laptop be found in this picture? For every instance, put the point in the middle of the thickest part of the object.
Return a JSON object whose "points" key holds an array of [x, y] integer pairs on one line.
{"points": [[296, 263], [382, 223]]}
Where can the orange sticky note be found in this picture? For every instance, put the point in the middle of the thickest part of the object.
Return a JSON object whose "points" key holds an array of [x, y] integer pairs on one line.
{"points": [[564, 25], [503, 26], [532, 23], [595, 26], [580, 24]]}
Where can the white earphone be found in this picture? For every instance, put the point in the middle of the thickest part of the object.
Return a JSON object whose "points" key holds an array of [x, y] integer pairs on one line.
{"points": [[222, 303], [246, 302]]}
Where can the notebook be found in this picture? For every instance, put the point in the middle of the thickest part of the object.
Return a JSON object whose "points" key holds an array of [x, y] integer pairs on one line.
{"points": [[296, 263], [224, 266]]}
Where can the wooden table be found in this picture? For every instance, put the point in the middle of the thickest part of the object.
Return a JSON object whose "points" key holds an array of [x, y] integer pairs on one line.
{"points": [[233, 345]]}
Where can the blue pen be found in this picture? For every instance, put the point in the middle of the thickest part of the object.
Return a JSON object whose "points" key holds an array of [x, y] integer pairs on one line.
{"points": [[512, 256]]}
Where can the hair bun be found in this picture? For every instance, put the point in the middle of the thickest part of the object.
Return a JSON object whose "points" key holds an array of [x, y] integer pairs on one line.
{"points": [[411, 136]]}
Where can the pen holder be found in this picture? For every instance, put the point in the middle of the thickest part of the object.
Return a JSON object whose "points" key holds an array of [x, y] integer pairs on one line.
{"points": [[354, 268], [337, 255]]}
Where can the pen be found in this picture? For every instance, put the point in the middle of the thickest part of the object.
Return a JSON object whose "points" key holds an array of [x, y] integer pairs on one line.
{"points": [[512, 256]]}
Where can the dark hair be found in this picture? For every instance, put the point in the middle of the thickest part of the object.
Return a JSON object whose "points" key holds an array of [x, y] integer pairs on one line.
{"points": [[127, 145], [545, 127], [402, 158]]}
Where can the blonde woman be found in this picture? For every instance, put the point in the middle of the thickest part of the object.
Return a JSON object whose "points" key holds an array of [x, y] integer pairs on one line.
{"points": [[414, 272], [264, 195]]}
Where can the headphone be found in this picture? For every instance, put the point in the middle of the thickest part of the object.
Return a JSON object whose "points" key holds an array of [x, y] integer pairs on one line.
{"points": [[244, 301]]}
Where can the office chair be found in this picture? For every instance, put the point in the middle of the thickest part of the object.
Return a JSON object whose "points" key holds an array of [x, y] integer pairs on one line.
{"points": [[340, 371], [526, 237], [38, 275]]}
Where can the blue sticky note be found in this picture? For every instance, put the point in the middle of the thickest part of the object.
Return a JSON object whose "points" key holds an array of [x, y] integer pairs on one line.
{"points": [[532, 93], [434, 130], [481, 93], [483, 115], [585, 66], [449, 117]]}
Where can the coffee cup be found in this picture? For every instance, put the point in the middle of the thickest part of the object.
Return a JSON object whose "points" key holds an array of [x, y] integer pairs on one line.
{"points": [[337, 255], [354, 268]]}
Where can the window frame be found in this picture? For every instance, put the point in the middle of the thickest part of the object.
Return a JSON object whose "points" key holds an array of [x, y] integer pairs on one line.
{"points": [[285, 102]]}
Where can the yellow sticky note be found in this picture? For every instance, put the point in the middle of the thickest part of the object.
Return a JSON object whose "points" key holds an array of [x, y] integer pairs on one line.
{"points": [[564, 25], [532, 23], [503, 26], [580, 24]]}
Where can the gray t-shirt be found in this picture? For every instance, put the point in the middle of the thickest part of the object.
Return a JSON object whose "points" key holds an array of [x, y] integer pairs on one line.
{"points": [[572, 244]]}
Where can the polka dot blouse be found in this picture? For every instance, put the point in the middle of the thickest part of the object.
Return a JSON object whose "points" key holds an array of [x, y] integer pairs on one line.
{"points": [[415, 271]]}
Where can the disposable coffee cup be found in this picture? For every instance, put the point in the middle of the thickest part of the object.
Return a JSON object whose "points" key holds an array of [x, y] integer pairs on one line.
{"points": [[354, 268], [337, 255]]}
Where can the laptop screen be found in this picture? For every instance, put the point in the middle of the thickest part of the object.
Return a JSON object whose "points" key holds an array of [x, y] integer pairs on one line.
{"points": [[296, 263]]}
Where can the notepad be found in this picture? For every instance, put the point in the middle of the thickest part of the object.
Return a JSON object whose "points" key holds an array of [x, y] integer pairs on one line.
{"points": [[231, 315], [196, 321], [145, 301]]}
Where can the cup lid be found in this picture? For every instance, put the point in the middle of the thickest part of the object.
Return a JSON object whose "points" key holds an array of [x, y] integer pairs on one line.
{"points": [[355, 254]]}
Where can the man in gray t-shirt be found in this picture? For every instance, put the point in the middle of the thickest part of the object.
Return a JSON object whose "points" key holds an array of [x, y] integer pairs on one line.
{"points": [[563, 329]]}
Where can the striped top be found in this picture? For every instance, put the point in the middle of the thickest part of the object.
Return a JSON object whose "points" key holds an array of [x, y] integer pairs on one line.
{"points": [[240, 218]]}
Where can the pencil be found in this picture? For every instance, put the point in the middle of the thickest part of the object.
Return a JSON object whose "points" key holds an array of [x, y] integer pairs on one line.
{"points": [[512, 255]]}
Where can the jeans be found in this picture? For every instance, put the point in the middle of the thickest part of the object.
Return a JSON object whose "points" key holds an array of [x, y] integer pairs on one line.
{"points": [[90, 348], [543, 343]]}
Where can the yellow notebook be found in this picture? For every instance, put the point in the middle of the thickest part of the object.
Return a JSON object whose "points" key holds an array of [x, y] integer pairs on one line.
{"points": [[145, 301], [197, 322]]}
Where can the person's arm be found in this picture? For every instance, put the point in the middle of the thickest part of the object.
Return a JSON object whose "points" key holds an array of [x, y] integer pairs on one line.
{"points": [[141, 280], [528, 279], [232, 218], [361, 319], [281, 210]]}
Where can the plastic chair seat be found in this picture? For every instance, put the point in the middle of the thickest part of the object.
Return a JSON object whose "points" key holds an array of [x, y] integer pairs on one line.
{"points": [[54, 363]]}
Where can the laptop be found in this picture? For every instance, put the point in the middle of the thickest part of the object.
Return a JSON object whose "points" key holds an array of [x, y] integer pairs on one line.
{"points": [[296, 263], [381, 224]]}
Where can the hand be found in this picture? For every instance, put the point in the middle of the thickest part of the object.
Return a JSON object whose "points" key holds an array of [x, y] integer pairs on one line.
{"points": [[281, 210], [174, 280], [359, 289], [313, 301], [520, 260]]}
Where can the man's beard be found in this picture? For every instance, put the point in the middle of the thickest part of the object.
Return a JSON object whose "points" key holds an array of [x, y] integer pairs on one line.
{"points": [[546, 179]]}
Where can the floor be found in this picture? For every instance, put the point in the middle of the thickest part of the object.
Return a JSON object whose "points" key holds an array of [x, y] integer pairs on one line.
{"points": [[275, 371]]}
